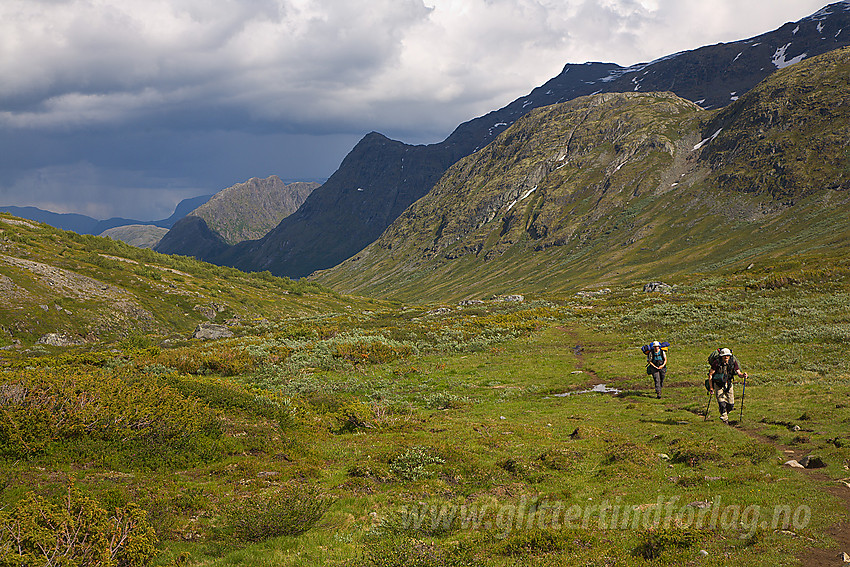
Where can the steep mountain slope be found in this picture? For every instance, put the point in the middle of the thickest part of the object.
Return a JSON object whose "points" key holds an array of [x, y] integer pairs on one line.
{"points": [[138, 235], [249, 210], [338, 219], [241, 212], [190, 236], [377, 180], [617, 187]]}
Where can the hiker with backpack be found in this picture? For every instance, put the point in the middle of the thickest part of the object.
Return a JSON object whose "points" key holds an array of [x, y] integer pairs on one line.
{"points": [[656, 365], [724, 368]]}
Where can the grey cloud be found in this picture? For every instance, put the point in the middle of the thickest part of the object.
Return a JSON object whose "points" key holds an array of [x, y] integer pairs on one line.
{"points": [[101, 100], [144, 175]]}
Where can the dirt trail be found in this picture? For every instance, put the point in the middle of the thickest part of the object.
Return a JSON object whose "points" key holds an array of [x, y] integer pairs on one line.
{"points": [[812, 557], [817, 557]]}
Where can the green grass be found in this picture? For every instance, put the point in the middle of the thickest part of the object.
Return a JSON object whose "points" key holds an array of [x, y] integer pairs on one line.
{"points": [[344, 431], [477, 431]]}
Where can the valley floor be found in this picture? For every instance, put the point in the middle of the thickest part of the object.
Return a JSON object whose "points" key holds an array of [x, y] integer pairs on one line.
{"points": [[345, 441]]}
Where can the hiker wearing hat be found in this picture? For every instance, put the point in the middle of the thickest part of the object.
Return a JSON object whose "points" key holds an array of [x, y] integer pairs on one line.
{"points": [[724, 367], [656, 366]]}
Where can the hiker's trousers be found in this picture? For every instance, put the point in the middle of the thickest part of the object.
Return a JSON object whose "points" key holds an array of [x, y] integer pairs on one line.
{"points": [[725, 400], [658, 378]]}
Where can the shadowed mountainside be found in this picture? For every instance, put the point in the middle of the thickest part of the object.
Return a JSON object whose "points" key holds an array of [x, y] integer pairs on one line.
{"points": [[381, 177], [617, 187]]}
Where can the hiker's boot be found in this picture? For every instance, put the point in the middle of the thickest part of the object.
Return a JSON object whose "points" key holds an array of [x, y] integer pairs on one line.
{"points": [[724, 417]]}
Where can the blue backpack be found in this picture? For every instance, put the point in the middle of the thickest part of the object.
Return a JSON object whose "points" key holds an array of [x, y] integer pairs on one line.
{"points": [[647, 349]]}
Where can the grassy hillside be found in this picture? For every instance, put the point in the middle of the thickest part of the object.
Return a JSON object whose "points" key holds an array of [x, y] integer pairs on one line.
{"points": [[445, 435], [93, 289], [623, 188]]}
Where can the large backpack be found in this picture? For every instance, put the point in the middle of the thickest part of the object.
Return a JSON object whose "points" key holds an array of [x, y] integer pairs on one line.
{"points": [[715, 360], [647, 349]]}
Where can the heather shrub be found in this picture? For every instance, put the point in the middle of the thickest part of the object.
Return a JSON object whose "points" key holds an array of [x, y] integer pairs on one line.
{"points": [[350, 417], [415, 463], [223, 359], [371, 352], [43, 407], [75, 531], [289, 512], [655, 542], [445, 400]]}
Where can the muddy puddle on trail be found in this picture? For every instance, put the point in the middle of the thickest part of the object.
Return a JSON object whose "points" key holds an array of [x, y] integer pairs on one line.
{"points": [[600, 388]]}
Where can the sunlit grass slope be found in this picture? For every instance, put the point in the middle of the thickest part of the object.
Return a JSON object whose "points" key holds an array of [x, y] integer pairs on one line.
{"points": [[438, 435]]}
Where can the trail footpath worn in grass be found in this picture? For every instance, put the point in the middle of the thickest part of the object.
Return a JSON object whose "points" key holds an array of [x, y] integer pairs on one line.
{"points": [[312, 442], [767, 428]]}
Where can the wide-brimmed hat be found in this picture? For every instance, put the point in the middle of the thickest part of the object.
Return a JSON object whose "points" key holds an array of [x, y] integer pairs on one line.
{"points": [[725, 352]]}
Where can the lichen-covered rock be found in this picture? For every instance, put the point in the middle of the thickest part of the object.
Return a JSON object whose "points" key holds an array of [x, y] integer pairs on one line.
{"points": [[210, 331], [659, 287], [59, 340]]}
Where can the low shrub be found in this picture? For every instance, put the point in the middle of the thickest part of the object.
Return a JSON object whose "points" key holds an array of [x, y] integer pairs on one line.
{"points": [[445, 400], [75, 531], [629, 452], [756, 452], [522, 542], [225, 360], [94, 410], [415, 463], [372, 352], [558, 459], [696, 453], [350, 417], [655, 542], [272, 514], [405, 551]]}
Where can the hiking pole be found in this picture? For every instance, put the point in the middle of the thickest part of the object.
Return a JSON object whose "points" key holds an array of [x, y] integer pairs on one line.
{"points": [[743, 391], [708, 405]]}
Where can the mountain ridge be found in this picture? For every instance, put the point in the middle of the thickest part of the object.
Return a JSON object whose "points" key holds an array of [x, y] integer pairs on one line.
{"points": [[239, 212], [248, 210], [609, 187], [336, 222], [83, 224]]}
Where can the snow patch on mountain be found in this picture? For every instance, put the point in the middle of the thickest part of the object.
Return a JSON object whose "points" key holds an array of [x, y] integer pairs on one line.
{"points": [[781, 62]]}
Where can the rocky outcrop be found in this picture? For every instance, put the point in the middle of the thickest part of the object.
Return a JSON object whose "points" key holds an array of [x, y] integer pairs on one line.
{"points": [[211, 331], [59, 340], [657, 287]]}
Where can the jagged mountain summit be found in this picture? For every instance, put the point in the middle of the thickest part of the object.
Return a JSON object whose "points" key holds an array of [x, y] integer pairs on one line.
{"points": [[380, 177], [247, 211], [611, 188], [243, 211]]}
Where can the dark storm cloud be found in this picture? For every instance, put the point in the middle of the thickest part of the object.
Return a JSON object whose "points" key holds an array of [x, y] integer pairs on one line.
{"points": [[123, 107]]}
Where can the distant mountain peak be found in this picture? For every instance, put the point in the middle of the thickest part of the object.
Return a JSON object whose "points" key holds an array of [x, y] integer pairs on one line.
{"points": [[380, 177], [618, 186], [242, 212]]}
